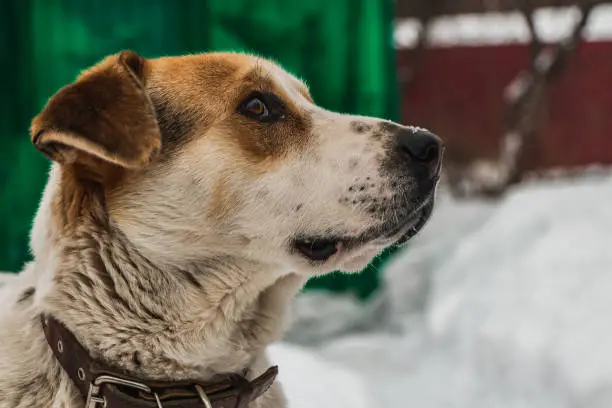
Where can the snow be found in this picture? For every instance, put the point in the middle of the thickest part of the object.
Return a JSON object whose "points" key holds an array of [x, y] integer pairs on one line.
{"points": [[495, 305], [311, 382], [541, 287], [551, 24]]}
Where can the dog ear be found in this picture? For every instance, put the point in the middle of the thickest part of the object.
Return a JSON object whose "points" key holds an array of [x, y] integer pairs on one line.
{"points": [[106, 114]]}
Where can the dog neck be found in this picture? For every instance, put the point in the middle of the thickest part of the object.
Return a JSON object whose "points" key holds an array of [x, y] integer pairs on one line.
{"points": [[196, 320]]}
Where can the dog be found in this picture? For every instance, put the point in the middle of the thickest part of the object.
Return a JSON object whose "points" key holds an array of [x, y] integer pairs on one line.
{"points": [[189, 199]]}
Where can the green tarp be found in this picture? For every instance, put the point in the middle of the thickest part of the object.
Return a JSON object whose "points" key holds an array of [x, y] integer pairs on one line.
{"points": [[342, 48]]}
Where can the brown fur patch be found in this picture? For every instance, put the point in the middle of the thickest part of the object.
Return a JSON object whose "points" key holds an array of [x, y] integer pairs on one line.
{"points": [[193, 94], [78, 196], [106, 114], [97, 128], [222, 200], [125, 109], [262, 140], [176, 125]]}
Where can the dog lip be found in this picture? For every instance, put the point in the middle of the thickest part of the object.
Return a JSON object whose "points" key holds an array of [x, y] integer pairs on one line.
{"points": [[407, 229], [318, 249], [396, 236], [414, 229], [384, 235], [409, 226]]}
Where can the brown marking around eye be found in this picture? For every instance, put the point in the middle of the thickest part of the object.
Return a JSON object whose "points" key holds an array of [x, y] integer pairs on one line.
{"points": [[259, 141], [198, 97], [258, 79]]}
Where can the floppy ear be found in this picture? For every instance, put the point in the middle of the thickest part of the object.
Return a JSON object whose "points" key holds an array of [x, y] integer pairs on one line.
{"points": [[106, 113]]}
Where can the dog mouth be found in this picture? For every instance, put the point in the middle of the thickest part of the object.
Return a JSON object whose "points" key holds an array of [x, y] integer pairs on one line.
{"points": [[318, 249]]}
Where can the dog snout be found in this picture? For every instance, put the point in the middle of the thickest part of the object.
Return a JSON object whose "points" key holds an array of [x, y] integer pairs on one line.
{"points": [[421, 148]]}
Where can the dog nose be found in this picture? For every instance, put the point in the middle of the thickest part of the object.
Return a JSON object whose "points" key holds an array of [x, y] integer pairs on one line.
{"points": [[420, 147]]}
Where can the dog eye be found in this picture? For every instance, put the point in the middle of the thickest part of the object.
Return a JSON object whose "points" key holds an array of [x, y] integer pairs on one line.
{"points": [[263, 107], [256, 108]]}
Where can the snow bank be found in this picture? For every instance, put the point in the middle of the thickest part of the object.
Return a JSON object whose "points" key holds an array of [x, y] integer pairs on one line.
{"points": [[533, 288], [311, 382], [408, 276], [514, 307]]}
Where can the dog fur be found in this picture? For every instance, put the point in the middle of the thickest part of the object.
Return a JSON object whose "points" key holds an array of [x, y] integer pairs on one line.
{"points": [[163, 239]]}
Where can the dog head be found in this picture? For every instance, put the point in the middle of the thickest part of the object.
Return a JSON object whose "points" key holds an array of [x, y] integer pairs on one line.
{"points": [[227, 154]]}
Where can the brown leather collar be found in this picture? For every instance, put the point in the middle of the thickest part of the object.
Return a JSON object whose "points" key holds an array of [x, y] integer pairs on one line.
{"points": [[103, 387]]}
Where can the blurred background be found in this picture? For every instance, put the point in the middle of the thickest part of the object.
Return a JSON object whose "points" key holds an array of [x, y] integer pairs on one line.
{"points": [[504, 299]]}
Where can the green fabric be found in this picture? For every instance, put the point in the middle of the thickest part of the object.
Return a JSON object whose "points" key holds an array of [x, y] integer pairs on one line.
{"points": [[342, 48]]}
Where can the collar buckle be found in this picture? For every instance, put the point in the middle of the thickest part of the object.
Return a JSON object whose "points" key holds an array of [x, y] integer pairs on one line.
{"points": [[96, 400]]}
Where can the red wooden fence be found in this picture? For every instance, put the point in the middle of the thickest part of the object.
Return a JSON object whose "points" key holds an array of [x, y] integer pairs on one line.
{"points": [[458, 93]]}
